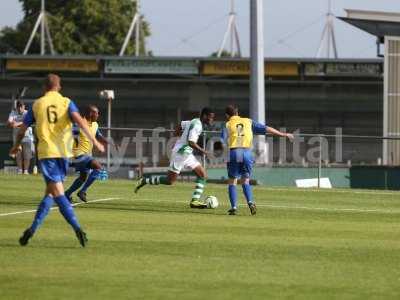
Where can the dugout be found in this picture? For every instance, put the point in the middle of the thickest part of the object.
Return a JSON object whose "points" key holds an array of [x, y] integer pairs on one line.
{"points": [[375, 177]]}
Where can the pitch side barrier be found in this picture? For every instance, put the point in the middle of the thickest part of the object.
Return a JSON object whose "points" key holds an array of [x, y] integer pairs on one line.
{"points": [[313, 155], [278, 161]]}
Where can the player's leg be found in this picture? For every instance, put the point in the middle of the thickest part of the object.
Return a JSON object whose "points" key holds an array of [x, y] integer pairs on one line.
{"points": [[78, 182], [176, 165], [27, 156], [248, 193], [245, 172], [96, 168], [19, 161], [232, 182], [169, 179], [41, 213], [43, 209], [67, 211], [200, 184], [54, 171], [233, 167]]}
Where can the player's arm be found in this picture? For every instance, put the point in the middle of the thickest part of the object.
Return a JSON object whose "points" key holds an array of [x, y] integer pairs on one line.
{"points": [[27, 122], [194, 135], [78, 120], [276, 132], [12, 123], [102, 139], [178, 130], [76, 117], [194, 145], [20, 136], [261, 129], [224, 135]]}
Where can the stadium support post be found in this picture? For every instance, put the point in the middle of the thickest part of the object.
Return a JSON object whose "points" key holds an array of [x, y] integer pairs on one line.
{"points": [[204, 147], [44, 31], [320, 162], [257, 82], [135, 24], [231, 31], [328, 39]]}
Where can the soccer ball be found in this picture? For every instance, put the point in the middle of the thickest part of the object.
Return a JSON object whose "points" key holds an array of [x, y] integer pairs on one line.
{"points": [[212, 202]]}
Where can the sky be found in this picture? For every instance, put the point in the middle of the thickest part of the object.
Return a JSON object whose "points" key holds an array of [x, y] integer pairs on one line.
{"points": [[291, 28]]}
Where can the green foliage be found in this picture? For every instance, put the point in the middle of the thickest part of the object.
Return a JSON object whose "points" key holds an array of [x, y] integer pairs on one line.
{"points": [[224, 53], [76, 26]]}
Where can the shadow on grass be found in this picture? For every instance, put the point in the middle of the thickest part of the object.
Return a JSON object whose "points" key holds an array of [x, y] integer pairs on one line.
{"points": [[18, 203], [151, 210], [36, 246]]}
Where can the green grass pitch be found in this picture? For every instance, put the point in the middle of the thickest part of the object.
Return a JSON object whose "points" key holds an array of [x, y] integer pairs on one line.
{"points": [[302, 244]]}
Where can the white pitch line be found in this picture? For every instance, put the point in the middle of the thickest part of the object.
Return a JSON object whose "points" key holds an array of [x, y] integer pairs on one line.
{"points": [[55, 207], [333, 190], [328, 209], [371, 192], [241, 205]]}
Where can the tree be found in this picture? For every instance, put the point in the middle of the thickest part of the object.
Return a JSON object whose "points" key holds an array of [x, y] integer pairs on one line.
{"points": [[224, 53], [77, 27]]}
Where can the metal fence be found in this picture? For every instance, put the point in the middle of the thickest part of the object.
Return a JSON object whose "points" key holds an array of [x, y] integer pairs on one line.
{"points": [[151, 148], [135, 149]]}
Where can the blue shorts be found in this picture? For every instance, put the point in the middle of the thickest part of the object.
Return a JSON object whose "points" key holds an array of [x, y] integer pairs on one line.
{"points": [[54, 169], [240, 164], [82, 163]]}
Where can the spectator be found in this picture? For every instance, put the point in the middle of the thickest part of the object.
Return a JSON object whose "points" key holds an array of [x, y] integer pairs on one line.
{"points": [[25, 154]]}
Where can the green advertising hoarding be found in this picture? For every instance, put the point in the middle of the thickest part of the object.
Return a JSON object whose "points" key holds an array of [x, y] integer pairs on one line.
{"points": [[131, 66]]}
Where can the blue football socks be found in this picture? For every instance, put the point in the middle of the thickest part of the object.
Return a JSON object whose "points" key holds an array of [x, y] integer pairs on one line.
{"points": [[92, 177], [248, 193], [75, 186], [67, 211], [233, 195], [42, 212]]}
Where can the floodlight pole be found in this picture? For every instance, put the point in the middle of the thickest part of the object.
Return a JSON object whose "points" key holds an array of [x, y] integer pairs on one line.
{"points": [[44, 31], [233, 33], [257, 82], [135, 25], [328, 39], [43, 24], [138, 27]]}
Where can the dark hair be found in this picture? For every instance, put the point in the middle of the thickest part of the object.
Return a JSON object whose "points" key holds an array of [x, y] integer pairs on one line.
{"points": [[19, 103], [206, 111], [52, 81], [231, 110], [88, 109]]}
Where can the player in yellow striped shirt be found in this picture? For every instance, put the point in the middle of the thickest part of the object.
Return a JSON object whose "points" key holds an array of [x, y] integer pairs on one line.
{"points": [[89, 169], [54, 115]]}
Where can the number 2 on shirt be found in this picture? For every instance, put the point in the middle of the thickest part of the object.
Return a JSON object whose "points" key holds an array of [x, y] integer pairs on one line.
{"points": [[240, 129]]}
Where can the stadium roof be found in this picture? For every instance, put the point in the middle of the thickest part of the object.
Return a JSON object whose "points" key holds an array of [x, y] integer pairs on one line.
{"points": [[377, 23]]}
